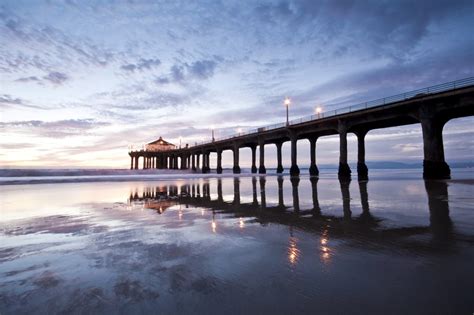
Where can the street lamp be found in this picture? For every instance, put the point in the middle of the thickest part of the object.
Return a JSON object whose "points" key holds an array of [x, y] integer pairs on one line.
{"points": [[239, 131], [318, 111], [287, 103], [212, 129], [180, 139]]}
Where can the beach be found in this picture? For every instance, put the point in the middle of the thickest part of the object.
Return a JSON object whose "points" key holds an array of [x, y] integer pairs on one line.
{"points": [[235, 244]]}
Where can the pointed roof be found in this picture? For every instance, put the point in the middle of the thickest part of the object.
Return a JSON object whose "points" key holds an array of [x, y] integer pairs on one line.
{"points": [[161, 141]]}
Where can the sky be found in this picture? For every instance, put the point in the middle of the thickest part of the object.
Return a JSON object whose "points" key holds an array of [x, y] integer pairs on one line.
{"points": [[80, 81]]}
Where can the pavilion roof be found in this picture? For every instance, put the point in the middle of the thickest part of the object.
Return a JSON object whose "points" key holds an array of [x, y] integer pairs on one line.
{"points": [[161, 141]]}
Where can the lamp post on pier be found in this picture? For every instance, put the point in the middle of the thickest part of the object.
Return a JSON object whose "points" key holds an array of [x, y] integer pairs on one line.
{"points": [[287, 103], [318, 111]]}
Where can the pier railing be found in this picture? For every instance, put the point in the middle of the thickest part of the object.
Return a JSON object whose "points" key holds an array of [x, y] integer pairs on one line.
{"points": [[448, 86]]}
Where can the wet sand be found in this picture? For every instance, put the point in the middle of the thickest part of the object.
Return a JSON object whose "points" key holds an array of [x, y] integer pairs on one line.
{"points": [[392, 245]]}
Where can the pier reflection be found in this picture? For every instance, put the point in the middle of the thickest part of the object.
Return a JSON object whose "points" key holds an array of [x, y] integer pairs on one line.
{"points": [[251, 199]]}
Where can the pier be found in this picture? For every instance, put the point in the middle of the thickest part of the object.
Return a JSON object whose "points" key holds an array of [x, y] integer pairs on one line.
{"points": [[432, 107]]}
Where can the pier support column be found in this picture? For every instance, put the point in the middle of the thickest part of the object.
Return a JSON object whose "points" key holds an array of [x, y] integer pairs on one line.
{"points": [[144, 162], [279, 162], [261, 168], [136, 162], [219, 162], [313, 168], [344, 169], [254, 158], [362, 170], [197, 161], [434, 164], [294, 170], [236, 168], [131, 162], [205, 162], [193, 162], [208, 162], [203, 166]]}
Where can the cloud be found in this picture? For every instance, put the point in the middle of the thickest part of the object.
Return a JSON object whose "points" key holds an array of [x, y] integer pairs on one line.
{"points": [[55, 129], [177, 73], [202, 69], [185, 72], [28, 79], [8, 101], [142, 64], [57, 78]]}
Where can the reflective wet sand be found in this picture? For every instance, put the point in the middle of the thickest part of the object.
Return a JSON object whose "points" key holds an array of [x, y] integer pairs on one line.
{"points": [[389, 245]]}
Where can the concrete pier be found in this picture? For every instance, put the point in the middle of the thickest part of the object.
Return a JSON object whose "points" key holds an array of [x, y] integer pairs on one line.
{"points": [[434, 164], [219, 162], [279, 160], [261, 168], [344, 169], [236, 168], [254, 158], [294, 169], [313, 169], [432, 110]]}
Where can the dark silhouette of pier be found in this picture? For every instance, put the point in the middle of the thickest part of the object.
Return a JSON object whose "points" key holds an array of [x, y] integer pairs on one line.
{"points": [[431, 107]]}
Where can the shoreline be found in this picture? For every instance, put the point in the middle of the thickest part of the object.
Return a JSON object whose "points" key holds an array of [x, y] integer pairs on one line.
{"points": [[459, 176]]}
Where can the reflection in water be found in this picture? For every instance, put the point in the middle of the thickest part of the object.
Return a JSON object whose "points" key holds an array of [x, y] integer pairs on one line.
{"points": [[440, 221], [246, 239], [163, 197], [263, 198], [314, 189], [296, 198], [293, 251], [346, 198]]}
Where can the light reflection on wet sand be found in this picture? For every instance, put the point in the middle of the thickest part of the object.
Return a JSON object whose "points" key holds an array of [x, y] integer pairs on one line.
{"points": [[248, 244]]}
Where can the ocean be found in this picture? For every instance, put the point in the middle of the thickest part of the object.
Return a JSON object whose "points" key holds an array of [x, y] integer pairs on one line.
{"points": [[167, 242]]}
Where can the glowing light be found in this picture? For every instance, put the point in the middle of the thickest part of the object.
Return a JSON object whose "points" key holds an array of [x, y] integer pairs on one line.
{"points": [[239, 130], [293, 251], [325, 250], [202, 212], [241, 223], [318, 110], [287, 101], [214, 226]]}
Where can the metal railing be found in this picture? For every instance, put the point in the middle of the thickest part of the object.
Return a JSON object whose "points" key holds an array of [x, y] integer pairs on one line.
{"points": [[453, 85]]}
